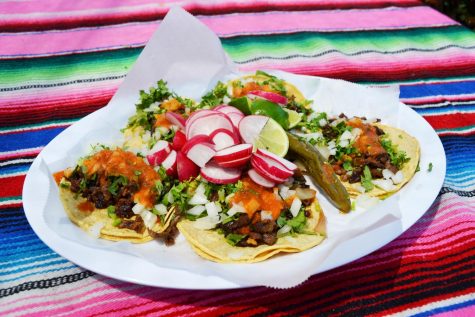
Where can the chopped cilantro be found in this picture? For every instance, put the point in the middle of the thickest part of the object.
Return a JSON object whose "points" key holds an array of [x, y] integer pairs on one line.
{"points": [[234, 238], [418, 168], [429, 169], [137, 173], [366, 179], [398, 158], [111, 211], [116, 222], [155, 94], [297, 223], [214, 97], [115, 183], [347, 166]]}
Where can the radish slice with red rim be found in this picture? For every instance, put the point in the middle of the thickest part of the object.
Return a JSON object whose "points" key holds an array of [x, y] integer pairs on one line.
{"points": [[207, 124], [201, 153], [195, 140], [288, 164], [228, 109], [235, 118], [170, 163], [176, 119], [265, 173], [270, 166], [270, 96], [179, 141], [213, 173], [185, 167], [195, 115], [223, 138], [159, 153], [259, 180], [251, 126], [233, 153], [235, 163]]}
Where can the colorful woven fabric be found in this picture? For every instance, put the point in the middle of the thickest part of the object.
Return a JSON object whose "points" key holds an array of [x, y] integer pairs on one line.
{"points": [[61, 60]]}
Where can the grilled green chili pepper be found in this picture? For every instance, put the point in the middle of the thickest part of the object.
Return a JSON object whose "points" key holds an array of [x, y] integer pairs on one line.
{"points": [[321, 171]]}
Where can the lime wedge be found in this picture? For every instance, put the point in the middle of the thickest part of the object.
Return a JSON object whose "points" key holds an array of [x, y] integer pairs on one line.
{"points": [[294, 118], [273, 138]]}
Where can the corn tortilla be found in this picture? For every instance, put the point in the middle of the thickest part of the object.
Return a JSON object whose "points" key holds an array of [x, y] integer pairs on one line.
{"points": [[86, 220], [212, 245], [404, 142]]}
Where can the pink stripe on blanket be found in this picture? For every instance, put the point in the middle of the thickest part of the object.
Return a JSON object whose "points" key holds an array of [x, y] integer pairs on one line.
{"points": [[132, 35]]}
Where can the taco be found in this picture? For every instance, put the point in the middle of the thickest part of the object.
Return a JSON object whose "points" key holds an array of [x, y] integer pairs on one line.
{"points": [[114, 192], [258, 224], [368, 157]]}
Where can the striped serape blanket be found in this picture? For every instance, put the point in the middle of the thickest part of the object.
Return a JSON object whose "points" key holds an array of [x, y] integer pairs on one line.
{"points": [[61, 60]]}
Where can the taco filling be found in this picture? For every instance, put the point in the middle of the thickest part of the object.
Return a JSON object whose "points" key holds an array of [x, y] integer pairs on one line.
{"points": [[117, 188], [245, 222], [367, 156]]}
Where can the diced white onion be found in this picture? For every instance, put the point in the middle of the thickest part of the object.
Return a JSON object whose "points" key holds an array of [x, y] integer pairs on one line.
{"points": [[138, 208], [398, 177], [310, 136], [146, 136], [212, 209], [385, 184], [283, 191], [365, 201], [322, 122], [163, 130], [228, 198], [346, 135], [355, 133], [358, 187], [344, 143], [149, 218], [266, 215], [206, 223], [162, 209], [95, 230], [295, 207], [170, 198], [285, 229], [387, 174], [199, 197], [196, 210], [236, 208]]}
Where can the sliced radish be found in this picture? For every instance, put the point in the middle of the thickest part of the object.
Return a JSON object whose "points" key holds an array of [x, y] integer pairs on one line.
{"points": [[235, 118], [218, 175], [291, 166], [201, 153], [223, 138], [207, 124], [185, 167], [195, 140], [265, 173], [195, 115], [176, 119], [234, 163], [228, 109], [271, 166], [233, 153], [170, 163], [270, 96], [251, 126], [159, 153], [259, 180], [179, 141]]}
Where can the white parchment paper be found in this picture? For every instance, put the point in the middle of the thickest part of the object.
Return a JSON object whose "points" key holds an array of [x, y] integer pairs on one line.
{"points": [[190, 58]]}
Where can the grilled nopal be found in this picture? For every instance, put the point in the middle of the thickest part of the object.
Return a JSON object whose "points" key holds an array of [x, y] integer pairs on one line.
{"points": [[321, 171]]}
